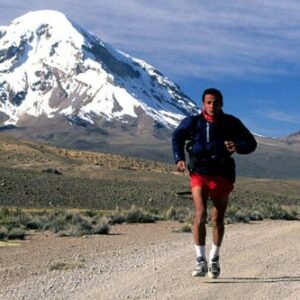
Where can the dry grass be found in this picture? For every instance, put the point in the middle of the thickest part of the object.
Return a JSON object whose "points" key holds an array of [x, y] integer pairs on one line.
{"points": [[77, 192]]}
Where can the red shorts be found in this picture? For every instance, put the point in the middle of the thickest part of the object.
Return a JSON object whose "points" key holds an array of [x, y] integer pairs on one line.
{"points": [[218, 187]]}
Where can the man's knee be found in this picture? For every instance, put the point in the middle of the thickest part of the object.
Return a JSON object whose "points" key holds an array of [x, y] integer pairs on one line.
{"points": [[217, 222], [200, 217]]}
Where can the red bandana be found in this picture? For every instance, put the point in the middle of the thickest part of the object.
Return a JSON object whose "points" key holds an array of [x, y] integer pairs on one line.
{"points": [[207, 117]]}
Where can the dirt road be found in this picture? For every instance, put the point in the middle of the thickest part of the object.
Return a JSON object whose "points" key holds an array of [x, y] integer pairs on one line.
{"points": [[150, 261]]}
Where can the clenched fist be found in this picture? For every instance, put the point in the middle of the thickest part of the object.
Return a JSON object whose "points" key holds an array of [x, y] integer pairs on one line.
{"points": [[230, 146], [181, 166]]}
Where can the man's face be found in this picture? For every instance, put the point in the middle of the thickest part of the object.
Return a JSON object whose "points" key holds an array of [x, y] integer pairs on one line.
{"points": [[211, 105]]}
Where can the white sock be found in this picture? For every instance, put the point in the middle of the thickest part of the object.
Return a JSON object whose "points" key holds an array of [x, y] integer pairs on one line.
{"points": [[214, 251], [200, 251]]}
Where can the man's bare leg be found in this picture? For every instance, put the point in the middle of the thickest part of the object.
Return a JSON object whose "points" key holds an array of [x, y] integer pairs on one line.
{"points": [[200, 206], [217, 217]]}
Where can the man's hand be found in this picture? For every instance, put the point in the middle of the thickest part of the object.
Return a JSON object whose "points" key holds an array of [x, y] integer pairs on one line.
{"points": [[230, 146], [181, 166]]}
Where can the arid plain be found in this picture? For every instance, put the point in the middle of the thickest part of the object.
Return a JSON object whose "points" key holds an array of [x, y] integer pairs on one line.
{"points": [[139, 261]]}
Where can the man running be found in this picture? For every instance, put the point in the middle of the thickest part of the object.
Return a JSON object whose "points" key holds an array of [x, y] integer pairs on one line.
{"points": [[212, 137]]}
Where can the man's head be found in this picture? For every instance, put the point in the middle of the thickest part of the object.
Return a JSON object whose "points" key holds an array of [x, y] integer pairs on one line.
{"points": [[212, 101], [213, 92]]}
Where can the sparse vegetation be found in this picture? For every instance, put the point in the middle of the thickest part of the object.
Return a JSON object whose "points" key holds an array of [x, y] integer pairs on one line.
{"points": [[15, 223], [133, 215], [96, 183], [185, 228], [12, 234]]}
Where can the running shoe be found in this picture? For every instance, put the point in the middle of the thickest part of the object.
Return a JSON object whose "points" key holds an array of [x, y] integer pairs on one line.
{"points": [[214, 268], [201, 267]]}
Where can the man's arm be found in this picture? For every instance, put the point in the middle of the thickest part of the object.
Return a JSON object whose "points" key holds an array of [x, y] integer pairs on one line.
{"points": [[180, 135], [245, 142]]}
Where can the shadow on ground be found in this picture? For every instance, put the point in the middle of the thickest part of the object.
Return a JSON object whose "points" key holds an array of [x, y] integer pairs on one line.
{"points": [[254, 280]]}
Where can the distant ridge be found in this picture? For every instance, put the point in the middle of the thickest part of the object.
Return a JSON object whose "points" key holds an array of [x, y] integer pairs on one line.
{"points": [[291, 138]]}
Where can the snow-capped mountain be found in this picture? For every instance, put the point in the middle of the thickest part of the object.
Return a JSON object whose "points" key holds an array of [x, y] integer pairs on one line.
{"points": [[52, 68]]}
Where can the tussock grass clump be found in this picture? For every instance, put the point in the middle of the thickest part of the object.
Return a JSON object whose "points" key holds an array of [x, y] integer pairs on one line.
{"points": [[185, 228], [179, 214], [13, 234], [139, 215], [260, 210], [133, 215], [15, 223], [256, 215], [171, 213], [4, 212], [78, 224], [277, 212], [70, 231], [101, 227], [90, 213], [82, 225], [16, 234], [3, 233]]}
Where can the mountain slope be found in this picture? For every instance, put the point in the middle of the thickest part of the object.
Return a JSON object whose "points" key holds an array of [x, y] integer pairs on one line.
{"points": [[51, 68], [272, 159]]}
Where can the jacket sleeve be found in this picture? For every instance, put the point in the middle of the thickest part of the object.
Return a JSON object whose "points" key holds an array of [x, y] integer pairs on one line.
{"points": [[245, 141], [180, 135]]}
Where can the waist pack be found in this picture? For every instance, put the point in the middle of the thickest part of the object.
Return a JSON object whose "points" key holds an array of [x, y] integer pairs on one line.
{"points": [[212, 166]]}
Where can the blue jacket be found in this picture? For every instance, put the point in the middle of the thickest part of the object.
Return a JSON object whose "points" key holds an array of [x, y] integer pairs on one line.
{"points": [[205, 144]]}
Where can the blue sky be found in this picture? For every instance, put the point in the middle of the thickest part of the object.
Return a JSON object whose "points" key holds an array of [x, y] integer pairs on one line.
{"points": [[250, 50]]}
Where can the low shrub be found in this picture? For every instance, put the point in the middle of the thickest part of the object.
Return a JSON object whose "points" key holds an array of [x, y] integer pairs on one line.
{"points": [[246, 207], [137, 215], [3, 233], [133, 215], [15, 223], [171, 213], [179, 214], [185, 228], [101, 228], [16, 234]]}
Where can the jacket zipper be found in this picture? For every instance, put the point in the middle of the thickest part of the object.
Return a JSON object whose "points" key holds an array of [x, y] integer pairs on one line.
{"points": [[207, 132]]}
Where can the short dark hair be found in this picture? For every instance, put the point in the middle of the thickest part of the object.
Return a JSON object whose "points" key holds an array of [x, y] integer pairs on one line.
{"points": [[214, 92]]}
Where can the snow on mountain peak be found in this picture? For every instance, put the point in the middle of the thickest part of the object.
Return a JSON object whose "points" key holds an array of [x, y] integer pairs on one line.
{"points": [[50, 67]]}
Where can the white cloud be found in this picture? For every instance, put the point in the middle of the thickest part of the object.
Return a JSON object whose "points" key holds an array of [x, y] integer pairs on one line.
{"points": [[204, 39], [282, 116]]}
